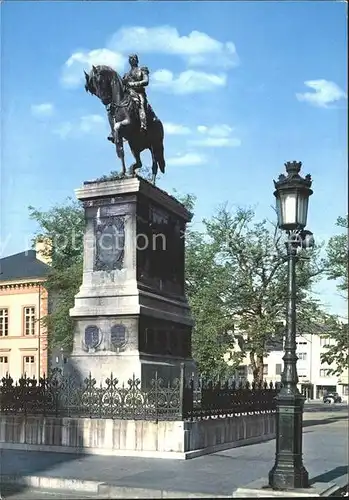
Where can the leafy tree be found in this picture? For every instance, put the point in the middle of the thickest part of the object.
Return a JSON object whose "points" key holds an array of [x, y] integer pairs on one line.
{"points": [[337, 353], [237, 280], [61, 228], [337, 256], [205, 281], [205, 278]]}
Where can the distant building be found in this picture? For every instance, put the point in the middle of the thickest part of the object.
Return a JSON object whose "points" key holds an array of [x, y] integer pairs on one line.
{"points": [[314, 377], [23, 303]]}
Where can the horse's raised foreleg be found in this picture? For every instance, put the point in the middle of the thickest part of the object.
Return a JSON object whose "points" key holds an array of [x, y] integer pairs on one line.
{"points": [[116, 125], [122, 123], [116, 138], [111, 120]]}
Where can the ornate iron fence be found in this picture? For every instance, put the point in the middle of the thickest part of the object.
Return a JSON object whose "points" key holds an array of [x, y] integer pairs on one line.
{"points": [[223, 399], [63, 396]]}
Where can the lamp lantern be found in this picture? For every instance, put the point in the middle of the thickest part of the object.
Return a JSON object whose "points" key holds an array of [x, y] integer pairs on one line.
{"points": [[292, 194]]}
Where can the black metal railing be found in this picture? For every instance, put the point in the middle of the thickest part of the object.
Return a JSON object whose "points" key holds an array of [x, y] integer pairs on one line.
{"points": [[64, 396], [224, 399]]}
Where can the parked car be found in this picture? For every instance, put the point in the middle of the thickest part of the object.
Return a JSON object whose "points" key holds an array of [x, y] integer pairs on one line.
{"points": [[332, 397]]}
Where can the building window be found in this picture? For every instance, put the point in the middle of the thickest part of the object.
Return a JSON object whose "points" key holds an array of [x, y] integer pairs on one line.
{"points": [[29, 321], [3, 366], [325, 341], [3, 322], [324, 372], [29, 368], [265, 369], [302, 343], [278, 368], [302, 356], [345, 390]]}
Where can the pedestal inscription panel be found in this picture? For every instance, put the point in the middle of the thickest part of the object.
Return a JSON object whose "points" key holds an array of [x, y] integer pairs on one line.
{"points": [[110, 242]]}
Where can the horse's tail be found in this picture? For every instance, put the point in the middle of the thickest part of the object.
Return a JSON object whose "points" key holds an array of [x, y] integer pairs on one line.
{"points": [[158, 146]]}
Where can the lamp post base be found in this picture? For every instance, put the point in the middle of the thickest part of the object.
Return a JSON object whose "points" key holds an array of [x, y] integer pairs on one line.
{"points": [[289, 471], [290, 476]]}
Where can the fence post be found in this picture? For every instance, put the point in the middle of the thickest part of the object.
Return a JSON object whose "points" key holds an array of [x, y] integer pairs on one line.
{"points": [[182, 406], [156, 397]]}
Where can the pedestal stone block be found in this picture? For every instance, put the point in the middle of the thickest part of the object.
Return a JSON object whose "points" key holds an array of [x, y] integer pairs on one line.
{"points": [[131, 312]]}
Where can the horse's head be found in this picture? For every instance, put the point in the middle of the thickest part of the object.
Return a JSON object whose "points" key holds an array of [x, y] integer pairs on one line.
{"points": [[101, 83]]}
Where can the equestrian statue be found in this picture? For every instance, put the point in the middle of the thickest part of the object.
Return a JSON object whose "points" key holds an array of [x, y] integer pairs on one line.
{"points": [[130, 116]]}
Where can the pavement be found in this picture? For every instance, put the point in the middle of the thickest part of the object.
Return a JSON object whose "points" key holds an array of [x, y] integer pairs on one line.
{"points": [[325, 449], [35, 494]]}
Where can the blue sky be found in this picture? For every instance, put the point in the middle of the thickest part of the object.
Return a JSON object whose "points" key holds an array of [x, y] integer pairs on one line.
{"points": [[242, 87]]}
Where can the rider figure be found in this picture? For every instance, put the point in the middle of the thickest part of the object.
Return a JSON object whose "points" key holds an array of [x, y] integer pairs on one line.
{"points": [[135, 81]]}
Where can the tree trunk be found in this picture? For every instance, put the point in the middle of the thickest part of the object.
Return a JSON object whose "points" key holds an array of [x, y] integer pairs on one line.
{"points": [[260, 360], [257, 367]]}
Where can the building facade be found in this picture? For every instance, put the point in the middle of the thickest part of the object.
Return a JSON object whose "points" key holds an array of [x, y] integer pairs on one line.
{"points": [[23, 304], [314, 377]]}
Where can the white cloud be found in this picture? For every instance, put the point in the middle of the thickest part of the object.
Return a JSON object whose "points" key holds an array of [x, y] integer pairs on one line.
{"points": [[63, 130], [73, 69], [218, 136], [42, 110], [326, 93], [176, 129], [217, 142], [216, 130], [187, 82], [85, 125], [196, 48], [188, 159], [88, 123]]}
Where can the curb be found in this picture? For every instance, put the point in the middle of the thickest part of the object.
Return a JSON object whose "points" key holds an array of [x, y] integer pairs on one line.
{"points": [[100, 489]]}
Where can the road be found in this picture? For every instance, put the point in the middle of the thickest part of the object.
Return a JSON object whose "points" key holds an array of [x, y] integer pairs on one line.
{"points": [[318, 406]]}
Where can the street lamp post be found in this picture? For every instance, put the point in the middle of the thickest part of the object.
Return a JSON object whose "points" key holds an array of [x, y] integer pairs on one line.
{"points": [[292, 194]]}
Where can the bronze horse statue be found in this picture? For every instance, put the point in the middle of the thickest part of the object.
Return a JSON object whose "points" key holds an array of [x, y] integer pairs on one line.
{"points": [[123, 116]]}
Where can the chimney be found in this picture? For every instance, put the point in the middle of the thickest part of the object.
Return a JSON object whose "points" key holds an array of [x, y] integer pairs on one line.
{"points": [[42, 249]]}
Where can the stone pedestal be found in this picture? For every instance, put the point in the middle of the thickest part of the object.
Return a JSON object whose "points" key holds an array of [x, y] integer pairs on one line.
{"points": [[131, 313]]}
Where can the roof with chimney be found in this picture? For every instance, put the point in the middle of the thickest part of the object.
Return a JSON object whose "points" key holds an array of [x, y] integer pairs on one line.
{"points": [[22, 266]]}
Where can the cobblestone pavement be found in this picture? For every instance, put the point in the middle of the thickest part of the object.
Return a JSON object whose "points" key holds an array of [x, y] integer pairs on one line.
{"points": [[325, 456]]}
